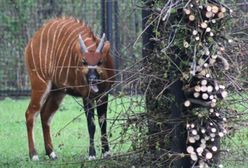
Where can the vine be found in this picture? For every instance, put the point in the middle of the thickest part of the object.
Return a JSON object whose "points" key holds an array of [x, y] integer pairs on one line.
{"points": [[195, 33]]}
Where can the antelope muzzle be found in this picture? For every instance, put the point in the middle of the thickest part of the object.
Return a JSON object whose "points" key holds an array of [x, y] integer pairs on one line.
{"points": [[93, 78]]}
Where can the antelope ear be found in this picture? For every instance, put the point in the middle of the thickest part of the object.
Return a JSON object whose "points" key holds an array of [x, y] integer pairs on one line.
{"points": [[106, 49]]}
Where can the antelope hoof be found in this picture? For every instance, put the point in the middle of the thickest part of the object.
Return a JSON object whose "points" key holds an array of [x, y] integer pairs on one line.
{"points": [[107, 154], [92, 157], [35, 158], [53, 156]]}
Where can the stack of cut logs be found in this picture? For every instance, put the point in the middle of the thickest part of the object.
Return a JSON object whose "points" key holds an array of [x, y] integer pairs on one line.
{"points": [[201, 138], [203, 91]]}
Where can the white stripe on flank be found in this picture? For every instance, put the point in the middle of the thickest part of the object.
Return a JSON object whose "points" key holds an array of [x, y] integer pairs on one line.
{"points": [[35, 66], [48, 61], [52, 59], [57, 41], [58, 55], [69, 46], [52, 52], [40, 56], [69, 49], [46, 48], [75, 59], [56, 35], [68, 68], [77, 65]]}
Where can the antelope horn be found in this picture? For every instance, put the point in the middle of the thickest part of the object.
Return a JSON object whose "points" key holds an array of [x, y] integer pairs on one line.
{"points": [[82, 45], [100, 45]]}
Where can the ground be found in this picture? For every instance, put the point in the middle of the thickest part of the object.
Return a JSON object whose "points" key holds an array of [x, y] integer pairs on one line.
{"points": [[71, 143]]}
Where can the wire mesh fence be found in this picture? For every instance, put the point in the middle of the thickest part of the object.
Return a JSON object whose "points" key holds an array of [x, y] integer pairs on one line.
{"points": [[20, 19]]}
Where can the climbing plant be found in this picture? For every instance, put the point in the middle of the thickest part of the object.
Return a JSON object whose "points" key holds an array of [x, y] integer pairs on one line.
{"points": [[189, 39]]}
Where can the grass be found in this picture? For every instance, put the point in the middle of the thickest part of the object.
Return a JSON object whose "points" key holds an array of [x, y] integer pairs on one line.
{"points": [[71, 145], [237, 143]]}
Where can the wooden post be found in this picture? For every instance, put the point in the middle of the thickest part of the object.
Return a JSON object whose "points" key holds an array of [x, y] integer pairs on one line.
{"points": [[178, 135], [147, 50], [165, 113]]}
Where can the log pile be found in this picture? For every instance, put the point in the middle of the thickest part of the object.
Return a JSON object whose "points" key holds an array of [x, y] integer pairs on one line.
{"points": [[205, 24]]}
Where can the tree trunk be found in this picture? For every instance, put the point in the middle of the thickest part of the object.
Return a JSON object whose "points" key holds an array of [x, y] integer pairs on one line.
{"points": [[166, 131]]}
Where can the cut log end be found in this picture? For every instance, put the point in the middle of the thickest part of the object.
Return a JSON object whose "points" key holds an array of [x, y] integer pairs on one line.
{"points": [[187, 103], [191, 17], [190, 149], [187, 11], [209, 155], [193, 156]]}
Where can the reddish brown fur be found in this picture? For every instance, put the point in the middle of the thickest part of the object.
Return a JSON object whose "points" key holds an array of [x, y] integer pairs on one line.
{"points": [[53, 57]]}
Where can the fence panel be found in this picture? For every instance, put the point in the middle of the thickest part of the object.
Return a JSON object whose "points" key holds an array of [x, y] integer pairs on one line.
{"points": [[20, 19]]}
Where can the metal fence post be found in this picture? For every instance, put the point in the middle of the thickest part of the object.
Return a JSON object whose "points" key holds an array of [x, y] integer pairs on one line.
{"points": [[108, 9], [117, 36], [103, 6]]}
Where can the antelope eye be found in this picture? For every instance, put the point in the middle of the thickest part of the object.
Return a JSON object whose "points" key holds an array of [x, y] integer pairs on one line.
{"points": [[84, 63]]}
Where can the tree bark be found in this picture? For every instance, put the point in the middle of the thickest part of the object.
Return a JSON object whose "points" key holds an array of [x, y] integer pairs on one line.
{"points": [[166, 131]]}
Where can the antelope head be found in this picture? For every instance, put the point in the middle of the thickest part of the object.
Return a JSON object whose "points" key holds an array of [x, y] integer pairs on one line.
{"points": [[93, 62]]}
